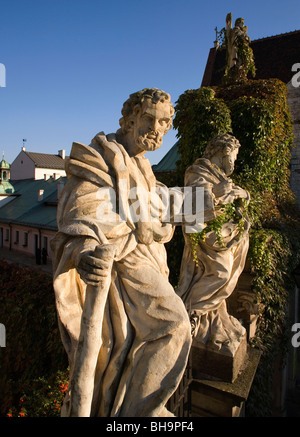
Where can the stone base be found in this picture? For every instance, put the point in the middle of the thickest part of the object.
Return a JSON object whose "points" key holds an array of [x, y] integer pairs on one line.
{"points": [[225, 365], [212, 398]]}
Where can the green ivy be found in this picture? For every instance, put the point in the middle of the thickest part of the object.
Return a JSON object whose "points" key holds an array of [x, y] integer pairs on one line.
{"points": [[272, 255], [228, 212], [247, 67], [199, 116], [257, 114]]}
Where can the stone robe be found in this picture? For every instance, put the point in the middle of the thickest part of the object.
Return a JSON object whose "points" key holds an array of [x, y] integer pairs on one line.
{"points": [[205, 287], [145, 328]]}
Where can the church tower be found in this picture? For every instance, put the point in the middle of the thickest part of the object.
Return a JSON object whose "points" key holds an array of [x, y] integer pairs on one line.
{"points": [[5, 185]]}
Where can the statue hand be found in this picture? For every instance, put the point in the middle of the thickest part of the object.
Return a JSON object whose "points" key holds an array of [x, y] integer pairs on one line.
{"points": [[239, 193], [95, 266], [222, 188]]}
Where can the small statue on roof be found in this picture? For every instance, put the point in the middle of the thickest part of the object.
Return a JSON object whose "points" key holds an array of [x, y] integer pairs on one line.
{"points": [[239, 59]]}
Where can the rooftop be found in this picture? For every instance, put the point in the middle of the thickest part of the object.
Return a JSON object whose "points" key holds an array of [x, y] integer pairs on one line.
{"points": [[26, 209], [168, 162], [4, 165], [274, 57], [47, 160]]}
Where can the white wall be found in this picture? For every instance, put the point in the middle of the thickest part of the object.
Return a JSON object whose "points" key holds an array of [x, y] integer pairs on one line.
{"points": [[23, 168], [41, 172]]}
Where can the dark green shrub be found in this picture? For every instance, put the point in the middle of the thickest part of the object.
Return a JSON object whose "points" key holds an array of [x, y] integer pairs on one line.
{"points": [[257, 114], [33, 346]]}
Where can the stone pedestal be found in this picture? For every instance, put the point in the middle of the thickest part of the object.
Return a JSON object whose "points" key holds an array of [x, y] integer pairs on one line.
{"points": [[215, 398], [224, 365]]}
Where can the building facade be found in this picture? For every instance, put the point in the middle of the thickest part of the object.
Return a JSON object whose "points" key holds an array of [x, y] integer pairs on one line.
{"points": [[32, 165], [28, 217]]}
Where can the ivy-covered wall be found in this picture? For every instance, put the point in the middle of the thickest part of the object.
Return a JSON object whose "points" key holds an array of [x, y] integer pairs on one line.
{"points": [[257, 114], [294, 103]]}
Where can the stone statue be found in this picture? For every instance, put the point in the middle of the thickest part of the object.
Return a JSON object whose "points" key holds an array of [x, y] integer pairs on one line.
{"points": [[239, 54], [126, 332], [220, 250]]}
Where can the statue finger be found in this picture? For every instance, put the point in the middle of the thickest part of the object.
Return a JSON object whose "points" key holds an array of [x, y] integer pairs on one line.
{"points": [[93, 276], [100, 271], [96, 262]]}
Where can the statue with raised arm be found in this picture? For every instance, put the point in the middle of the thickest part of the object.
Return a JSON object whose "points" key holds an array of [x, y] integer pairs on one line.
{"points": [[239, 58], [215, 253], [125, 330]]}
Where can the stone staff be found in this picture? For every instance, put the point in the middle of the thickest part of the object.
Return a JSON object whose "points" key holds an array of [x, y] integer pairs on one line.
{"points": [[90, 339]]}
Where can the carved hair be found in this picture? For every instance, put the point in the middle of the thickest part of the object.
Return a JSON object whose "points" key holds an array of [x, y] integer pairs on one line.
{"points": [[224, 143], [136, 100]]}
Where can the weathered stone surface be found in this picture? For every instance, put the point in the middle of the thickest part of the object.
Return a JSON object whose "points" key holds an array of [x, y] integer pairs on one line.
{"points": [[242, 303], [206, 284], [224, 364], [239, 56], [213, 398], [126, 332]]}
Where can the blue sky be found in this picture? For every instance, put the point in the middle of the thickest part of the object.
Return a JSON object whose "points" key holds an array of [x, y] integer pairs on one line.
{"points": [[71, 64]]}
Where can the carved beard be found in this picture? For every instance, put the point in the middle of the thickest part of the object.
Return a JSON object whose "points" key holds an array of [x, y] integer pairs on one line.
{"points": [[149, 141], [228, 169], [228, 165]]}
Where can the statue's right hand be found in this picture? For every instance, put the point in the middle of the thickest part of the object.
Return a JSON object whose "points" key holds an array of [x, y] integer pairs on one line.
{"points": [[240, 193], [223, 188], [95, 266]]}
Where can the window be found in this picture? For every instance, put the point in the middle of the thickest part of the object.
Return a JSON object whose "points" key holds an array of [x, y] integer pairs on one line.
{"points": [[45, 242], [6, 234], [25, 239], [36, 242], [17, 237]]}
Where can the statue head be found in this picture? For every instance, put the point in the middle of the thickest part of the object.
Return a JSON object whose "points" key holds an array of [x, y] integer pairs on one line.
{"points": [[147, 117], [239, 22], [222, 150]]}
